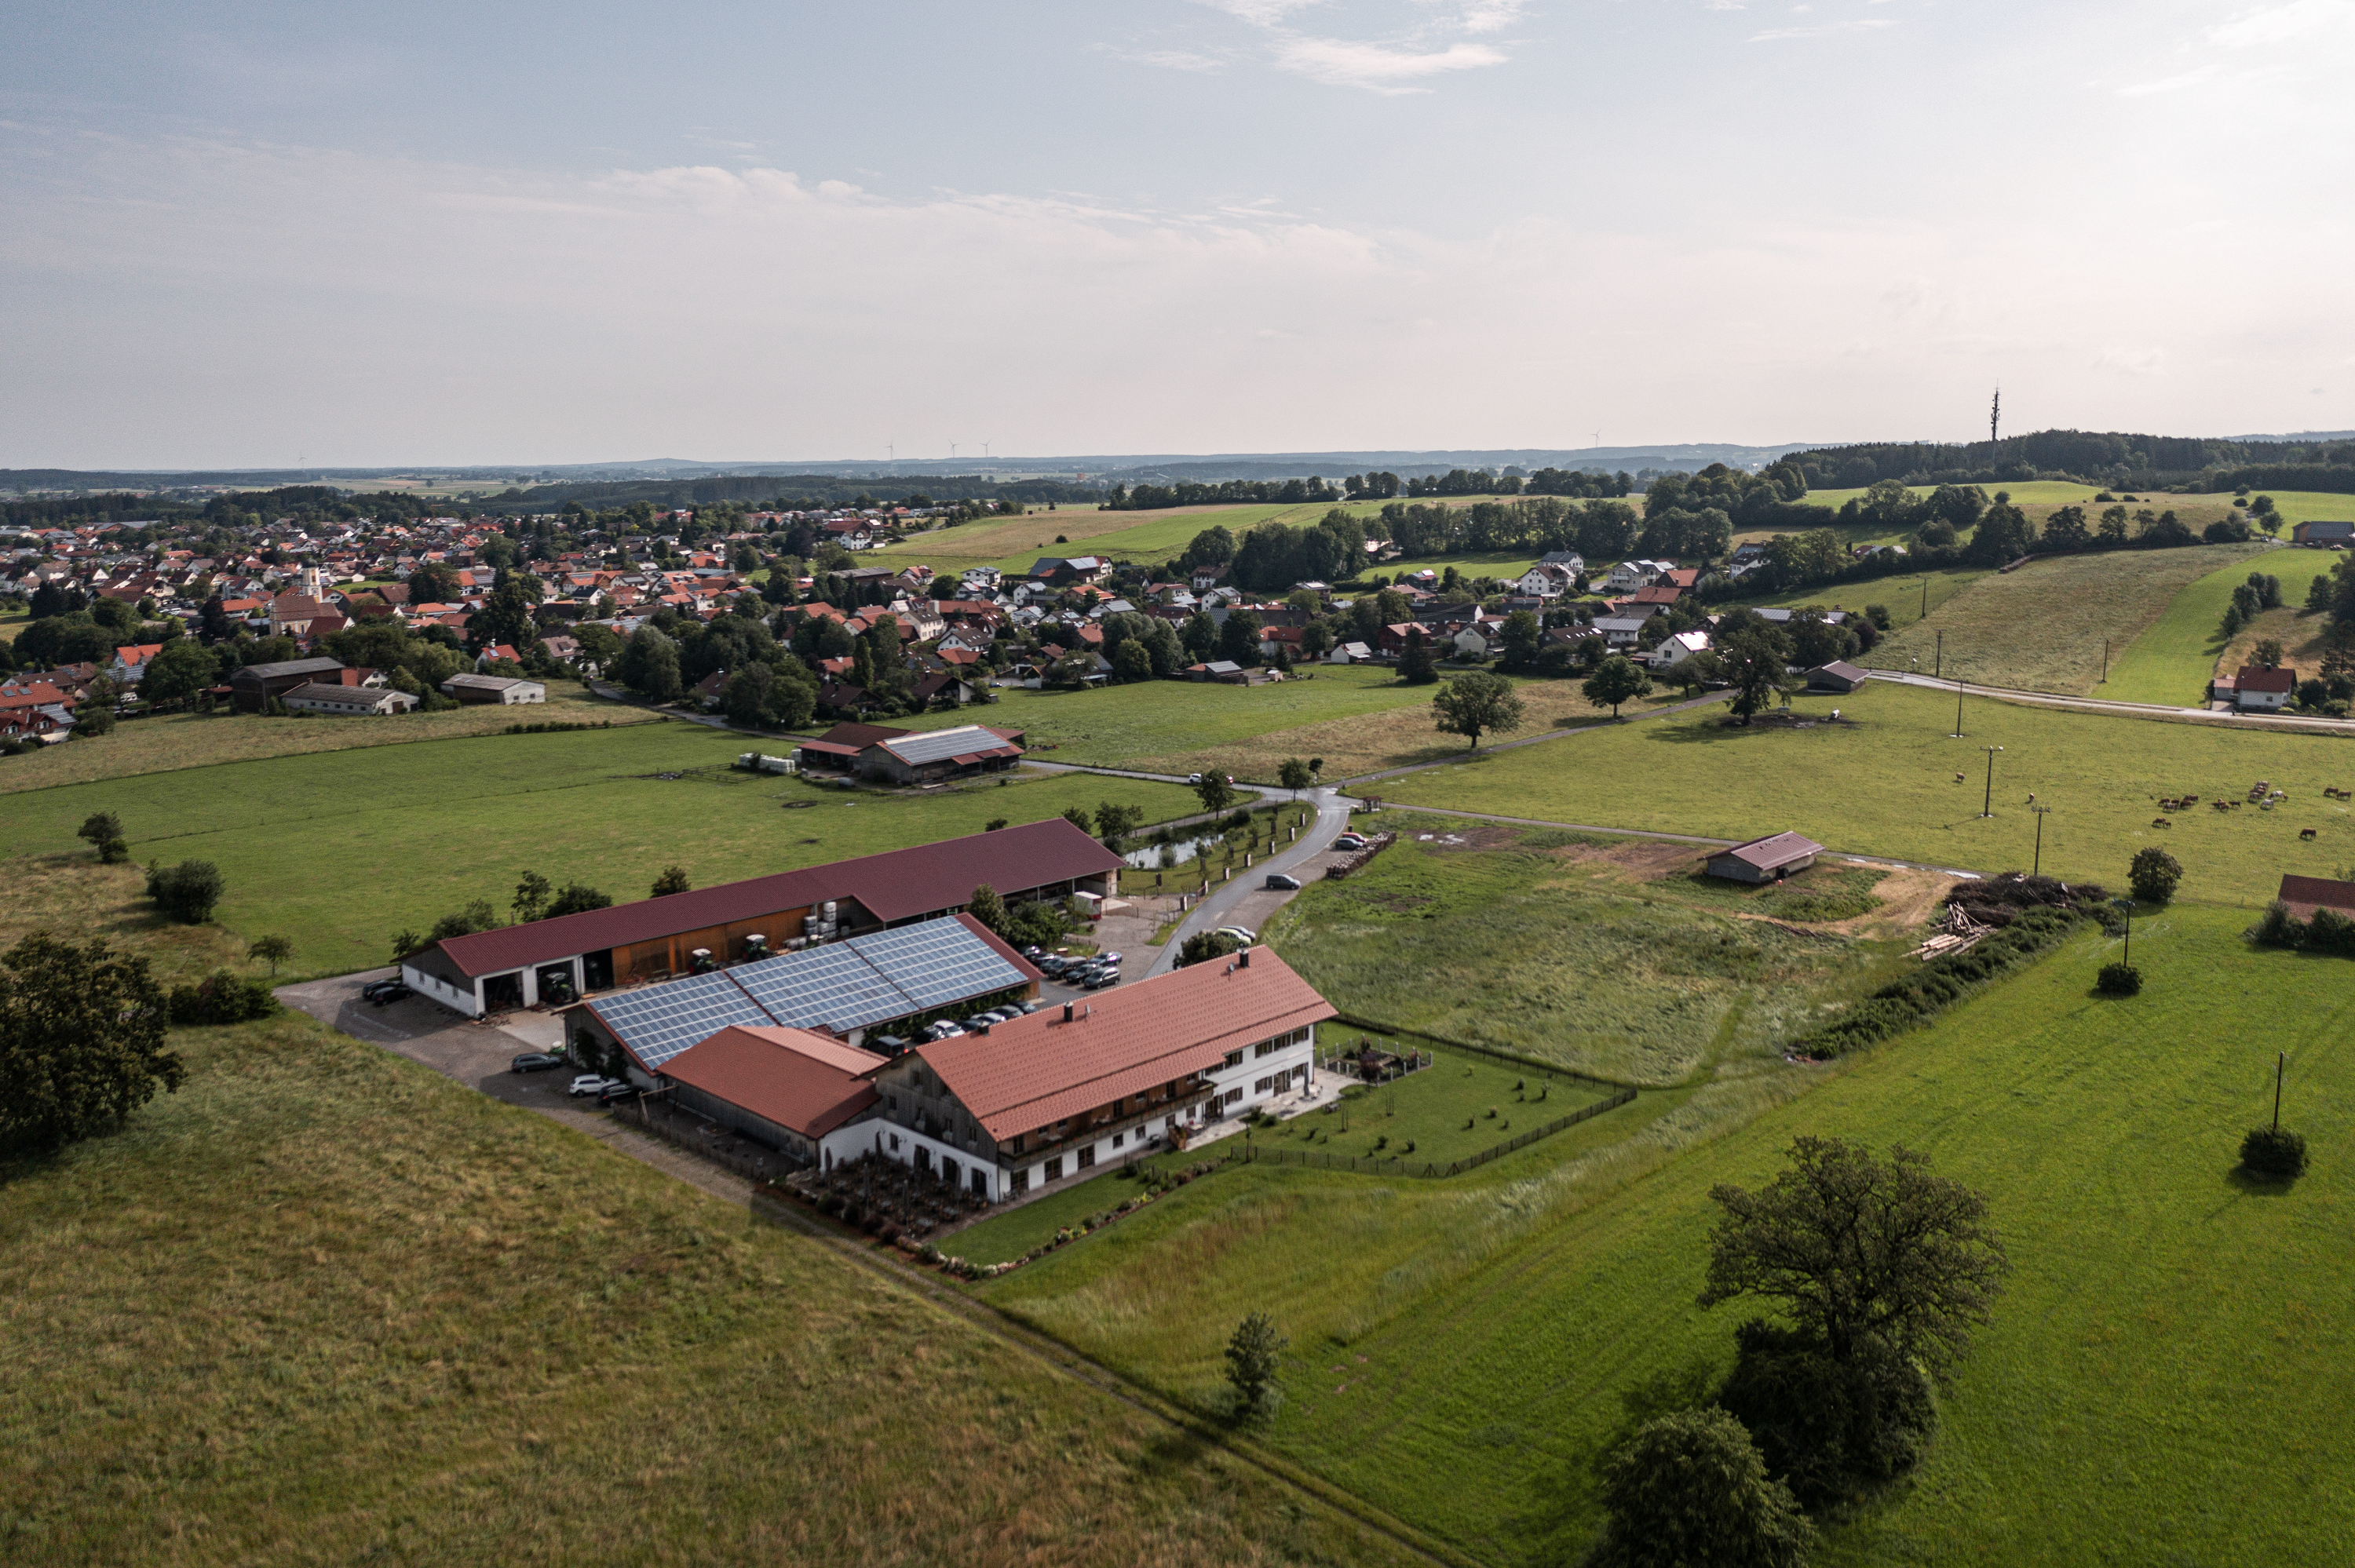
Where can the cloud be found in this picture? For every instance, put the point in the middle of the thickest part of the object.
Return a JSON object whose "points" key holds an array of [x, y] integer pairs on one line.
{"points": [[1166, 59], [1377, 67], [2287, 22]]}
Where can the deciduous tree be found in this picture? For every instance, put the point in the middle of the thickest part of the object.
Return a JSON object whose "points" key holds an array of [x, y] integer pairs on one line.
{"points": [[1254, 1360], [1475, 703], [82, 1041], [1615, 680], [1691, 1490]]}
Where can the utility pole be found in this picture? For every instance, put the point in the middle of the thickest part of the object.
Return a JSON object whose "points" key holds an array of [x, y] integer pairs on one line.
{"points": [[1926, 598], [1987, 807], [1958, 709], [2042, 812], [1938, 669], [2106, 662], [2281, 1062]]}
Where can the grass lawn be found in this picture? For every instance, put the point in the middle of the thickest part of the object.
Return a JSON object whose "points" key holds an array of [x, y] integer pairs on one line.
{"points": [[1007, 1235], [171, 741], [1885, 784], [1453, 1109], [324, 1306], [1463, 1351], [339, 850], [1907, 597], [2041, 627], [1567, 948], [2172, 661], [1357, 718]]}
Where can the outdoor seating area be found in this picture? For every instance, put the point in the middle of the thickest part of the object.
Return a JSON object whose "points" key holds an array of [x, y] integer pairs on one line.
{"points": [[916, 1200], [1371, 1062]]}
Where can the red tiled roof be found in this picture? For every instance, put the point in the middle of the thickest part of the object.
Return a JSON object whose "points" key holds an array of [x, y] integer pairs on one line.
{"points": [[2252, 679], [1031, 1073], [857, 737], [2304, 895], [898, 884], [797, 1079]]}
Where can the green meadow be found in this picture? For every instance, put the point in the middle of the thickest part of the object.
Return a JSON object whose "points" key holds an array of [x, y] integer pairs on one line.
{"points": [[1884, 782], [2172, 661], [324, 1306], [339, 850], [1463, 1350]]}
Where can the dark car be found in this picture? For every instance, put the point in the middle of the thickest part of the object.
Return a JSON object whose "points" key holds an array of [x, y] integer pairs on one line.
{"points": [[375, 989], [1100, 978], [1279, 883], [396, 991], [618, 1092], [534, 1062]]}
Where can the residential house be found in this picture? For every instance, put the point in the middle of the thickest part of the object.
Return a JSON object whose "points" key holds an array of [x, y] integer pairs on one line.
{"points": [[130, 660], [1629, 575], [2263, 691], [1349, 653], [1676, 646]]}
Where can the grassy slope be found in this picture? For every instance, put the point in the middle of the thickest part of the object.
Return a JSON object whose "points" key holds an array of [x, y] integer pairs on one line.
{"points": [[1905, 598], [1887, 786], [193, 740], [2172, 661], [2041, 627], [1473, 1350], [1560, 957], [324, 1306], [339, 850]]}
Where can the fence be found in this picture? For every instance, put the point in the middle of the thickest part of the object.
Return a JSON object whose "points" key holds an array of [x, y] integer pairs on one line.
{"points": [[1511, 1058], [1432, 1167]]}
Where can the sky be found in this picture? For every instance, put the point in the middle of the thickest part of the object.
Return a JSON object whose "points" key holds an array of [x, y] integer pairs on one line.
{"points": [[274, 233]]}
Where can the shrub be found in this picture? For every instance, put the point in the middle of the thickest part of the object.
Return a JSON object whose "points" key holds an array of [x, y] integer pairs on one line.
{"points": [[2278, 928], [2153, 874], [221, 998], [187, 891], [1690, 1488], [2329, 932], [2274, 1152], [1827, 1428], [1253, 1359], [2119, 980]]}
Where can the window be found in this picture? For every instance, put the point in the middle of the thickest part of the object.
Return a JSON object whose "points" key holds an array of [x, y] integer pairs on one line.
{"points": [[1234, 1096], [1268, 1047], [923, 1158], [1118, 1138], [1017, 1141], [895, 1143], [1055, 1168], [981, 1182], [1234, 1058], [1087, 1157], [1259, 1085], [1021, 1180]]}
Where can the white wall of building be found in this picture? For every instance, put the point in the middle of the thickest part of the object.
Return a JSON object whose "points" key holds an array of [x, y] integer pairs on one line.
{"points": [[469, 1002]]}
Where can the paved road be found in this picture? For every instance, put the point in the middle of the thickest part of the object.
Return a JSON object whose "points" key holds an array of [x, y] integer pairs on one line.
{"points": [[1222, 907], [2294, 723]]}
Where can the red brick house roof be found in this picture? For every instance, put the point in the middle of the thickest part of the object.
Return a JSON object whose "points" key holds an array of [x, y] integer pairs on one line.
{"points": [[2304, 895], [801, 1081], [1031, 1073], [2253, 679]]}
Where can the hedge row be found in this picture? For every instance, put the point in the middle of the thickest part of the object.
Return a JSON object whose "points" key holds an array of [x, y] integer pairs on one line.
{"points": [[2328, 932], [1940, 983]]}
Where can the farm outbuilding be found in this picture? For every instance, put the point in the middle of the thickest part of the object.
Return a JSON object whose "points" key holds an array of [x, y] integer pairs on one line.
{"points": [[1769, 859], [503, 689], [1836, 676]]}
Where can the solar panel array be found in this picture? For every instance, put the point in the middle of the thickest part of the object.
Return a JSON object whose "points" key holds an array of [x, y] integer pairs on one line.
{"points": [[841, 986], [936, 745], [658, 1022]]}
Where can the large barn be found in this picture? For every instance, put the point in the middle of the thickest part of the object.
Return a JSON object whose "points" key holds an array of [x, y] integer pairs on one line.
{"points": [[655, 938]]}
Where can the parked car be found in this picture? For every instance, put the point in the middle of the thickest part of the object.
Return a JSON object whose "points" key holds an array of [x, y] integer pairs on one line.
{"points": [[1240, 933], [1054, 964], [376, 989], [1033, 1005], [1100, 978], [1350, 842], [616, 1092], [1111, 958], [943, 1030], [1033, 953], [390, 993], [595, 1084], [1279, 883], [534, 1062]]}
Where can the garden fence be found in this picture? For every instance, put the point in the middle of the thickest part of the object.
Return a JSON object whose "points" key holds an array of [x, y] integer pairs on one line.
{"points": [[1433, 1168], [1511, 1058], [699, 1136]]}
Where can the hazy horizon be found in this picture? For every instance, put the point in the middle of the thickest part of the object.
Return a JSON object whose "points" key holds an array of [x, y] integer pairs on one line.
{"points": [[264, 236]]}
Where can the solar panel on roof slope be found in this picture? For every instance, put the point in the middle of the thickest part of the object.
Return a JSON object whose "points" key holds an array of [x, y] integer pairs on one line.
{"points": [[937, 963], [917, 749], [832, 985], [659, 1023]]}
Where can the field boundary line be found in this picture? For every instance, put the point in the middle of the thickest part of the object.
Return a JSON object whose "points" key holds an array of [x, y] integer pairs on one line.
{"points": [[1254, 1153], [1511, 1058], [1076, 1364]]}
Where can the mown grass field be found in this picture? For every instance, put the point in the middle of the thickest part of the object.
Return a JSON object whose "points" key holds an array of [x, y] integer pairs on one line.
{"points": [[1458, 1107], [196, 740], [1463, 1351], [1567, 948], [339, 850], [2041, 627], [1885, 784], [1907, 599], [2172, 661], [324, 1306], [1357, 718]]}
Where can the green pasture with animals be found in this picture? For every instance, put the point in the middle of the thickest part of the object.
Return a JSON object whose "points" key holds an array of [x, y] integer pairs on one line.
{"points": [[1884, 781], [339, 850], [1463, 1351], [324, 1305]]}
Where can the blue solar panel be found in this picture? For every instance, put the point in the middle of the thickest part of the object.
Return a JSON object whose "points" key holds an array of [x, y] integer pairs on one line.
{"points": [[661, 1020], [841, 986], [831, 985]]}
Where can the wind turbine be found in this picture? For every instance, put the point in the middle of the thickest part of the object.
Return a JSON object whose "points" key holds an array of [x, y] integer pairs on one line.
{"points": [[985, 451], [953, 447]]}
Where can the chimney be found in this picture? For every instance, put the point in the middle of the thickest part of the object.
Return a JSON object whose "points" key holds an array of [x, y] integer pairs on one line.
{"points": [[1068, 1009], [1243, 960]]}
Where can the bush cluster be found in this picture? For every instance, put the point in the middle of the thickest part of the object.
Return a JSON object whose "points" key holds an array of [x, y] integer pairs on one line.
{"points": [[1828, 1429], [1940, 983], [187, 891], [221, 998], [2328, 932], [2274, 1152], [2119, 980], [550, 727]]}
